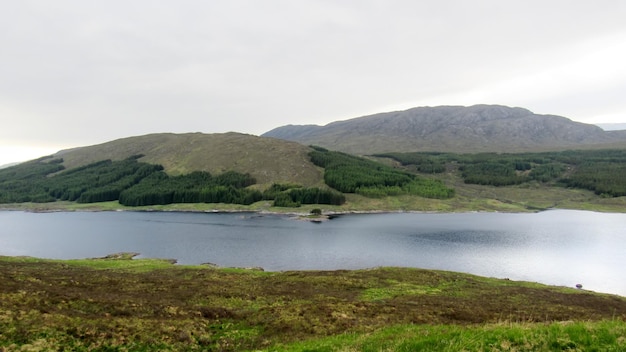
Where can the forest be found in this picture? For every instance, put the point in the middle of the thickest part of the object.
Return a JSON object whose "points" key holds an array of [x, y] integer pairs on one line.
{"points": [[134, 183], [600, 171], [351, 174], [45, 180]]}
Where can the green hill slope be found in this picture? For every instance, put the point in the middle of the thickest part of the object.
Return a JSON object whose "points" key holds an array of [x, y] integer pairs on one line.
{"points": [[268, 160]]}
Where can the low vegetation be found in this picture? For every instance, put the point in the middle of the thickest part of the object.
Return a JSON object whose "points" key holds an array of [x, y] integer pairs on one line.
{"points": [[600, 171], [123, 304]]}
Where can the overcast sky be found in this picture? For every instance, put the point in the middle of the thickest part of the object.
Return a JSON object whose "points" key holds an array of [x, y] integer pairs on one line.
{"points": [[76, 73]]}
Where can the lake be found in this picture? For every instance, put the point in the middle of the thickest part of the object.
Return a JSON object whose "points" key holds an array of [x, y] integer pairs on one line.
{"points": [[557, 247]]}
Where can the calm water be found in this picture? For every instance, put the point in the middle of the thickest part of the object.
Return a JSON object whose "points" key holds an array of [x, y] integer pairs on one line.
{"points": [[555, 247]]}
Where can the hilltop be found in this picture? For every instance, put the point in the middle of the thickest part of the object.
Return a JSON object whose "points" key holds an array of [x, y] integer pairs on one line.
{"points": [[478, 128], [266, 159]]}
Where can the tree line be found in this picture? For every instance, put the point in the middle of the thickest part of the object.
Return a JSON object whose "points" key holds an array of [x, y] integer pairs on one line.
{"points": [[350, 174], [45, 180], [196, 187], [600, 171], [134, 183], [23, 182], [293, 195]]}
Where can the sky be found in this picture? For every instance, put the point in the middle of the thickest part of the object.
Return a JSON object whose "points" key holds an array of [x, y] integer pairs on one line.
{"points": [[83, 72]]}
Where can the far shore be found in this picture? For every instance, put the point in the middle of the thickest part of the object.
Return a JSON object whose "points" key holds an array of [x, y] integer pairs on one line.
{"points": [[303, 212]]}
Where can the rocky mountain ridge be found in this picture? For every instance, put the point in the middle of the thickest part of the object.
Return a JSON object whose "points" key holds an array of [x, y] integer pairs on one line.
{"points": [[478, 128]]}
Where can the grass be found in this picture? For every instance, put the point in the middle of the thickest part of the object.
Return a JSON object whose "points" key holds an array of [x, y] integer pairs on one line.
{"points": [[572, 336], [268, 160], [396, 289], [123, 304]]}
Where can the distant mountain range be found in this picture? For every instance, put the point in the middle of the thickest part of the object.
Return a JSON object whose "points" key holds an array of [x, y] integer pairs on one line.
{"points": [[478, 128]]}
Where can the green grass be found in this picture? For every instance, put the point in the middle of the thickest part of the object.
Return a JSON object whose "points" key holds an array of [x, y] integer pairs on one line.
{"points": [[268, 160], [123, 304], [396, 289], [606, 335]]}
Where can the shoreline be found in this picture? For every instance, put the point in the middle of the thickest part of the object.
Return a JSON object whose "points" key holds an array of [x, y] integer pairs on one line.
{"points": [[326, 215], [171, 208], [481, 199]]}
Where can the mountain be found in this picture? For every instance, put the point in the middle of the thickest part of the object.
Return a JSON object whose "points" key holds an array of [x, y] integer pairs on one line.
{"points": [[266, 159], [478, 128]]}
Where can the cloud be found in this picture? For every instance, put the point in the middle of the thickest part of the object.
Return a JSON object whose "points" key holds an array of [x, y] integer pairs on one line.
{"points": [[83, 72]]}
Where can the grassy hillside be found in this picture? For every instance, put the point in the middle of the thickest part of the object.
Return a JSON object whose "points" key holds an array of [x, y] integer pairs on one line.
{"points": [[266, 159], [404, 181], [541, 183], [117, 304]]}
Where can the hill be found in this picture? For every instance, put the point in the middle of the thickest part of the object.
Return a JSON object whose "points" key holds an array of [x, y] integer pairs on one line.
{"points": [[478, 128], [267, 160], [266, 172], [116, 303]]}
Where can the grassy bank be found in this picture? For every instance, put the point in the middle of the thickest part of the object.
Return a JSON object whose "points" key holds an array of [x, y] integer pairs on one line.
{"points": [[138, 305]]}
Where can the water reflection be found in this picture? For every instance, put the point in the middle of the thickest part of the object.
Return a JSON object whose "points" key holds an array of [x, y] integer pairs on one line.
{"points": [[554, 247]]}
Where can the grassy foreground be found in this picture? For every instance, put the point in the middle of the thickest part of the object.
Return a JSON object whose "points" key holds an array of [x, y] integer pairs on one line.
{"points": [[121, 304]]}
